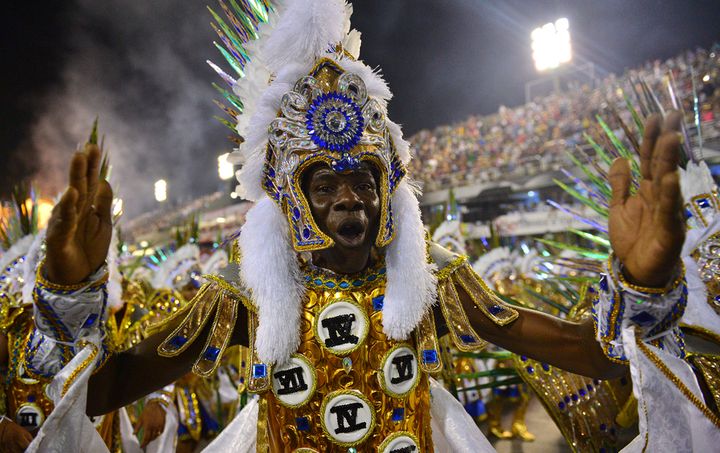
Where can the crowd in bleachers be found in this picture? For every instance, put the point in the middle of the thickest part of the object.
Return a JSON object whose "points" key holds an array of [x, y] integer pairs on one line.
{"points": [[534, 137]]}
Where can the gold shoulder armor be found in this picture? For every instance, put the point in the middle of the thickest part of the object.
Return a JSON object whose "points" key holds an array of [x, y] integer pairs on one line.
{"points": [[219, 298], [455, 272]]}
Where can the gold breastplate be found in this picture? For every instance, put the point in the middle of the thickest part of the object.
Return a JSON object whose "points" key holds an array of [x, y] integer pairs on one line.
{"points": [[348, 386]]}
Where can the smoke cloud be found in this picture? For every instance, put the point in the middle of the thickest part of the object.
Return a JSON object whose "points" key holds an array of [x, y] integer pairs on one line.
{"points": [[139, 67]]}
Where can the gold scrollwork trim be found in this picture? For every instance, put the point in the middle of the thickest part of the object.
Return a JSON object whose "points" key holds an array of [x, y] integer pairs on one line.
{"points": [[362, 335], [236, 292], [381, 371], [456, 318], [385, 443], [356, 394], [305, 360]]}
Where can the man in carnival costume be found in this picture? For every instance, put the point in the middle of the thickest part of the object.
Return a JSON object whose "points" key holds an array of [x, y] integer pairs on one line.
{"points": [[337, 294]]}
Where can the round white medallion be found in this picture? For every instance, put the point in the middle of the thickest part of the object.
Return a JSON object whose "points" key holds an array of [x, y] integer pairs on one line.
{"points": [[341, 326], [294, 382], [399, 371], [30, 416], [347, 417], [400, 442]]}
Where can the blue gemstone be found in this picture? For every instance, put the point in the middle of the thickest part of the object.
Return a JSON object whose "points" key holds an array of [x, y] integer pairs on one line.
{"points": [[703, 202], [603, 283], [371, 278], [574, 397], [523, 358], [429, 356], [561, 405], [318, 282], [566, 399], [271, 172], [688, 213], [242, 379], [306, 233], [90, 320], [357, 283], [177, 341], [495, 309], [303, 424], [398, 414], [211, 353], [382, 271], [530, 369], [582, 392], [643, 319], [603, 427], [378, 302], [31, 398], [344, 285], [296, 213], [467, 339], [546, 367], [259, 370], [590, 387], [330, 284]]}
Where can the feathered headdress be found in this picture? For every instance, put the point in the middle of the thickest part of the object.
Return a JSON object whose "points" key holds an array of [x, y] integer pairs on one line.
{"points": [[307, 99]]}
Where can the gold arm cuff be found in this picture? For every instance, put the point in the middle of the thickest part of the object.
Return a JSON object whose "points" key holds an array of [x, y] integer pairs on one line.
{"points": [[428, 345]]}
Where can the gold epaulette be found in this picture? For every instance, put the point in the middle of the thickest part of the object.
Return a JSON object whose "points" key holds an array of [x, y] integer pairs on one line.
{"points": [[455, 273], [219, 297]]}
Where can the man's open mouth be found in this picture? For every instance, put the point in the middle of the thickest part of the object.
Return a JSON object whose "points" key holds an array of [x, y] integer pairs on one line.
{"points": [[351, 229]]}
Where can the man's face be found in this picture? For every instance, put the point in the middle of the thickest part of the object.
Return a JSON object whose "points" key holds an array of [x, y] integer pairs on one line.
{"points": [[345, 206]]}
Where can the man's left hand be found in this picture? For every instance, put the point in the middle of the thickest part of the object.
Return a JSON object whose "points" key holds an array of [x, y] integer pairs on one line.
{"points": [[647, 229]]}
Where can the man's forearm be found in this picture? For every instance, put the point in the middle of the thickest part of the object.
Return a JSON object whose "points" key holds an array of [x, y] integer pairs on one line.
{"points": [[567, 345]]}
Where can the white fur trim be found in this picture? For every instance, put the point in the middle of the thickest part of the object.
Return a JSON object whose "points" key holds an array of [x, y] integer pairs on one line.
{"points": [[269, 268], [411, 284], [402, 146], [32, 260]]}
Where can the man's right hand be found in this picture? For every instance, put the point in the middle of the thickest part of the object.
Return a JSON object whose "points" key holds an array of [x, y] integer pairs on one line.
{"points": [[80, 228]]}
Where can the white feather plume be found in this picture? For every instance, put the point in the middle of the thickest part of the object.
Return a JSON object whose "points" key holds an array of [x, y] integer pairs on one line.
{"points": [[177, 263], [305, 31], [411, 284], [114, 284], [269, 268]]}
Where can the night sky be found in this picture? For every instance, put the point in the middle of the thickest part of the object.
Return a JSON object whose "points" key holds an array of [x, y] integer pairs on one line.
{"points": [[139, 65]]}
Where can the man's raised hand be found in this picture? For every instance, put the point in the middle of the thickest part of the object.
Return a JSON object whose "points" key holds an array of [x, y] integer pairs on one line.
{"points": [[647, 229], [80, 228]]}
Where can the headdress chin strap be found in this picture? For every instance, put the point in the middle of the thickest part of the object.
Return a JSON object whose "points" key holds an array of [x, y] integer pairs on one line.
{"points": [[270, 268]]}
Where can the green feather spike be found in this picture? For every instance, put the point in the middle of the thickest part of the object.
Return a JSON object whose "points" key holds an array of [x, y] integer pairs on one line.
{"points": [[94, 133], [636, 118], [231, 60], [240, 22], [228, 111], [598, 183], [236, 40], [630, 136], [599, 151], [622, 150], [488, 373], [582, 199], [498, 355], [258, 9], [226, 123], [235, 49], [245, 11], [493, 384], [592, 237], [230, 97], [588, 253]]}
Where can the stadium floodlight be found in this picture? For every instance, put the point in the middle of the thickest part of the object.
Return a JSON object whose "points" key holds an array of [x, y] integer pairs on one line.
{"points": [[160, 190], [551, 44], [225, 168]]}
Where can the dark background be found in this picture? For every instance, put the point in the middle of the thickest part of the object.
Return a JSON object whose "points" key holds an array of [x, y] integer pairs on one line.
{"points": [[139, 65]]}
